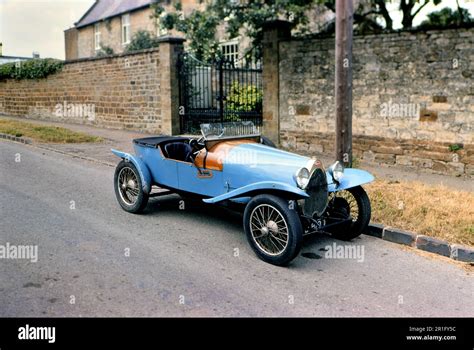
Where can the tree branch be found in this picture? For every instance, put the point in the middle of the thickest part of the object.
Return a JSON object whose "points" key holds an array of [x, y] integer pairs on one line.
{"points": [[419, 9]]}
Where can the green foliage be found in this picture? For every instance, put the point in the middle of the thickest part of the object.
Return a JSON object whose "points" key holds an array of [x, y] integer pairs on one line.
{"points": [[248, 17], [200, 27], [244, 98], [447, 17], [455, 147], [142, 40], [104, 51], [31, 69]]}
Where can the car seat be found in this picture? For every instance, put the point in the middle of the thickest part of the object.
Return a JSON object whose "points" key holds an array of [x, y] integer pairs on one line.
{"points": [[178, 151]]}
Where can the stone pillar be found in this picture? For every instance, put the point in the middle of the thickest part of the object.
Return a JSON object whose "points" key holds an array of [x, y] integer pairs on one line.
{"points": [[170, 49], [273, 32]]}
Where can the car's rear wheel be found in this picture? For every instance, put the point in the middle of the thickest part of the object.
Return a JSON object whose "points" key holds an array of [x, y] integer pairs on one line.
{"points": [[353, 204], [128, 188], [273, 230]]}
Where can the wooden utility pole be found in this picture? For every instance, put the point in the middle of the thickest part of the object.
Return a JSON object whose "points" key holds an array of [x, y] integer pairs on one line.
{"points": [[343, 84]]}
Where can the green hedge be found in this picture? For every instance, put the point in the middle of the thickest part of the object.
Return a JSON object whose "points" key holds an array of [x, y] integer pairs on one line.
{"points": [[142, 40], [31, 69], [244, 98]]}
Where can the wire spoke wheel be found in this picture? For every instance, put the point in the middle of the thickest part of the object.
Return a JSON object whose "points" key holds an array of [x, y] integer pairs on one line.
{"points": [[128, 185], [128, 188], [348, 201], [352, 204], [273, 229], [269, 229]]}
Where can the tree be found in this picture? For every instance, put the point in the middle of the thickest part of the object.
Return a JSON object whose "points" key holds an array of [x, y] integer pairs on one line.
{"points": [[248, 16], [370, 11], [447, 17], [411, 8]]}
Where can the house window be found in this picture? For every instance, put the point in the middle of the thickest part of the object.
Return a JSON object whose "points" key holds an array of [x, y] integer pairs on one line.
{"points": [[230, 51], [161, 31], [126, 29], [97, 36]]}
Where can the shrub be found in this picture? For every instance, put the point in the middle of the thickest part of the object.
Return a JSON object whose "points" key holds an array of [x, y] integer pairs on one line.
{"points": [[244, 98], [31, 69], [104, 51], [142, 40]]}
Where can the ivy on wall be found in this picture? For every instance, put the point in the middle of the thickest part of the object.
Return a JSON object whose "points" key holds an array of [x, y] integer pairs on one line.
{"points": [[31, 69]]}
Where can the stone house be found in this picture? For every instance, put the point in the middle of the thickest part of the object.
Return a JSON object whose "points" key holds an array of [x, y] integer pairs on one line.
{"points": [[112, 24]]}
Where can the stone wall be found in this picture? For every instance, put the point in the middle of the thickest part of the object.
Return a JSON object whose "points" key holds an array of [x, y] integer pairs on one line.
{"points": [[131, 91], [413, 98]]}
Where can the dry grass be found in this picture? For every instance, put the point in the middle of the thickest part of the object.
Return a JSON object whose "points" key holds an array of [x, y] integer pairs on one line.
{"points": [[436, 211], [44, 133]]}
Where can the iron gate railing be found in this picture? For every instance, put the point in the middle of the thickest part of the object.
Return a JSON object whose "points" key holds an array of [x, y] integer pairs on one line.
{"points": [[218, 92]]}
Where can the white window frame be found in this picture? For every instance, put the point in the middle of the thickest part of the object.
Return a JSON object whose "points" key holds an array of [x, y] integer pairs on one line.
{"points": [[97, 37], [230, 50], [126, 29], [159, 30]]}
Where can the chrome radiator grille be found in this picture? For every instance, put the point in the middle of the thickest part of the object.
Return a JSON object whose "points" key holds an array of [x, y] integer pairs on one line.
{"points": [[317, 190]]}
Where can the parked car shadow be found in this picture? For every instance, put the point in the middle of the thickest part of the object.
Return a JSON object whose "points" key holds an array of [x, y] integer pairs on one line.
{"points": [[174, 203], [314, 247]]}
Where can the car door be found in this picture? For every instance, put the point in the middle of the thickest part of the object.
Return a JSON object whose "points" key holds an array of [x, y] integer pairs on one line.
{"points": [[205, 182]]}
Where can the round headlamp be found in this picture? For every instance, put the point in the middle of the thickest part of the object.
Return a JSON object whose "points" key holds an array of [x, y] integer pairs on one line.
{"points": [[302, 178], [337, 171]]}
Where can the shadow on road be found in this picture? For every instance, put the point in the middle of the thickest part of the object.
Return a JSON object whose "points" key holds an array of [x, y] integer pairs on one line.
{"points": [[314, 246]]}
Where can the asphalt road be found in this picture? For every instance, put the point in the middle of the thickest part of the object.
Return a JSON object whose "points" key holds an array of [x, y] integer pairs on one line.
{"points": [[94, 259]]}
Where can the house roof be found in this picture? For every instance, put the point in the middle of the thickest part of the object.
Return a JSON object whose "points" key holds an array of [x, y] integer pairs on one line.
{"points": [[103, 9]]}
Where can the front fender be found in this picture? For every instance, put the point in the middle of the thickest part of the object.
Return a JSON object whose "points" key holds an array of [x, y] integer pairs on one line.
{"points": [[142, 168], [270, 186], [351, 178]]}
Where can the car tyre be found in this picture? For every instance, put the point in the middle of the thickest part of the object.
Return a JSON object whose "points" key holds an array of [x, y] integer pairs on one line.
{"points": [[128, 188], [359, 224], [274, 231]]}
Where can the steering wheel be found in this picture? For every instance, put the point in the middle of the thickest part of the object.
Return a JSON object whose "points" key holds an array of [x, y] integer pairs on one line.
{"points": [[196, 146], [193, 143]]}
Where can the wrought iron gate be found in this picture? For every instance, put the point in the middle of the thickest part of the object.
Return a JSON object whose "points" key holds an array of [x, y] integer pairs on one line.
{"points": [[218, 92]]}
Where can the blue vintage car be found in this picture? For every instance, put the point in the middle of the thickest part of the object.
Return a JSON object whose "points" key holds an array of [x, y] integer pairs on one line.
{"points": [[286, 196]]}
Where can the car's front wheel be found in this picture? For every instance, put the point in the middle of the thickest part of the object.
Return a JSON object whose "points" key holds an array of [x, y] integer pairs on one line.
{"points": [[128, 188], [353, 204], [273, 229]]}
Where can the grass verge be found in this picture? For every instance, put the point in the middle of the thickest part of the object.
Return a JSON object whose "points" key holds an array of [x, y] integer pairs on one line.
{"points": [[44, 133], [431, 210]]}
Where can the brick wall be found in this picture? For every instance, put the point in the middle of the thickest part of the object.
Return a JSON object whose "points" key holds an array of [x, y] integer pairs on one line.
{"points": [[413, 98], [131, 91]]}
